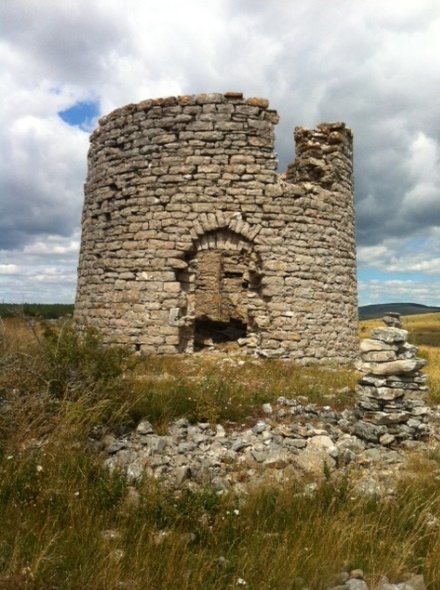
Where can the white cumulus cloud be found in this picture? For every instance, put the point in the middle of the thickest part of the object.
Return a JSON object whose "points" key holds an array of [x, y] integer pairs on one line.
{"points": [[371, 64]]}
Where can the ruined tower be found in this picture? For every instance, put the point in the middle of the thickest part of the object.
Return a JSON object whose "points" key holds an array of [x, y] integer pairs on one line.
{"points": [[188, 231]]}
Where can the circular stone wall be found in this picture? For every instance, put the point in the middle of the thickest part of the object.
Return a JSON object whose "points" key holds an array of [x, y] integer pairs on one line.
{"points": [[186, 223]]}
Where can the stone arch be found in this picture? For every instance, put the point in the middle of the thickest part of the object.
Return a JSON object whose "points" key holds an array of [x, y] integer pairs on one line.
{"points": [[208, 223], [221, 290]]}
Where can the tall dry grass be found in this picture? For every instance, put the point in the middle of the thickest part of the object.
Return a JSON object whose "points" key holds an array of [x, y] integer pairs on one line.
{"points": [[68, 524]]}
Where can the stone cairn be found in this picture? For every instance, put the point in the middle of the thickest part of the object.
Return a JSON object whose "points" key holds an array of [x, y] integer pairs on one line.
{"points": [[391, 403]]}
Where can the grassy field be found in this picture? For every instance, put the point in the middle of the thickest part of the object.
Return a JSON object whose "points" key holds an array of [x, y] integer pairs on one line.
{"points": [[68, 524]]}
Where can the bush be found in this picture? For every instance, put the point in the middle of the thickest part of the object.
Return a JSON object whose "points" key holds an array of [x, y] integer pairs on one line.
{"points": [[76, 362], [59, 361]]}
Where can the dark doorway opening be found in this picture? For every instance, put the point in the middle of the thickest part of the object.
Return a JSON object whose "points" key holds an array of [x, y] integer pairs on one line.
{"points": [[208, 333]]}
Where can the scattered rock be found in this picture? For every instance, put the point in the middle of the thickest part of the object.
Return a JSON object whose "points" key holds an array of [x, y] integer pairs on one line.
{"points": [[358, 574], [144, 427], [355, 581]]}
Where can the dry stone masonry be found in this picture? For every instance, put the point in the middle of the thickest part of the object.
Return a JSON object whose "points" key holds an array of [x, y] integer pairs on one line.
{"points": [[190, 235], [391, 405]]}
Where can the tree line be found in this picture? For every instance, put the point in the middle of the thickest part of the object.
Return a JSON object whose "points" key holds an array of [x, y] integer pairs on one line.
{"points": [[47, 311]]}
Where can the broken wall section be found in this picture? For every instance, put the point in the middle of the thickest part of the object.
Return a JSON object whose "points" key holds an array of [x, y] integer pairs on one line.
{"points": [[310, 270]]}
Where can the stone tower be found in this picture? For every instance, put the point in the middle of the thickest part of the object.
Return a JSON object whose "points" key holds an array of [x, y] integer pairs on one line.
{"points": [[188, 231]]}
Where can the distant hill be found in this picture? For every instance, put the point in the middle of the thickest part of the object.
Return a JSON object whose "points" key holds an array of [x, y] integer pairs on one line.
{"points": [[369, 312]]}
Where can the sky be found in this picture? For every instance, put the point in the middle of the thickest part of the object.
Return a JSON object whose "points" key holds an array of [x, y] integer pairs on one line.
{"points": [[371, 64]]}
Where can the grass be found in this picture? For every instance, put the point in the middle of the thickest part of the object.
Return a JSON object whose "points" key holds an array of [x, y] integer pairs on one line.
{"points": [[88, 534], [225, 389], [68, 524]]}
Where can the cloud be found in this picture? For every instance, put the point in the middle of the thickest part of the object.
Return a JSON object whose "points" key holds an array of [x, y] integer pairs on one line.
{"points": [[43, 272], [53, 247], [42, 173], [394, 291], [62, 41], [371, 64], [414, 255], [9, 269]]}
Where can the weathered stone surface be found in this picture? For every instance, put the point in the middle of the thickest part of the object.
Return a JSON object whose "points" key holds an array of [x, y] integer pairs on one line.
{"points": [[190, 237], [389, 335], [379, 356], [407, 351], [413, 583], [391, 395], [386, 417], [386, 439], [144, 427], [399, 367], [393, 319], [325, 443], [380, 393], [370, 432], [314, 461], [416, 583], [357, 574], [369, 345]]}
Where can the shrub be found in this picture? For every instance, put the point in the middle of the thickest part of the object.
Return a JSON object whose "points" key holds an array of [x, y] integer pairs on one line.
{"points": [[76, 362]]}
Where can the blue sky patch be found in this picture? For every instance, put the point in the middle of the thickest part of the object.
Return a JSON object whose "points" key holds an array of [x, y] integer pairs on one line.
{"points": [[81, 114]]}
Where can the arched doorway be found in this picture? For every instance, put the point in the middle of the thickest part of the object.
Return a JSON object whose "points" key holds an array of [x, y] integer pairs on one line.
{"points": [[221, 288]]}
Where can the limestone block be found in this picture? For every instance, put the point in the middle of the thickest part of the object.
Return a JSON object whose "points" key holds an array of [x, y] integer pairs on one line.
{"points": [[407, 351], [389, 393], [314, 460], [389, 335], [380, 393], [384, 418], [369, 345], [379, 356], [398, 367], [367, 403], [262, 103], [420, 411]]}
